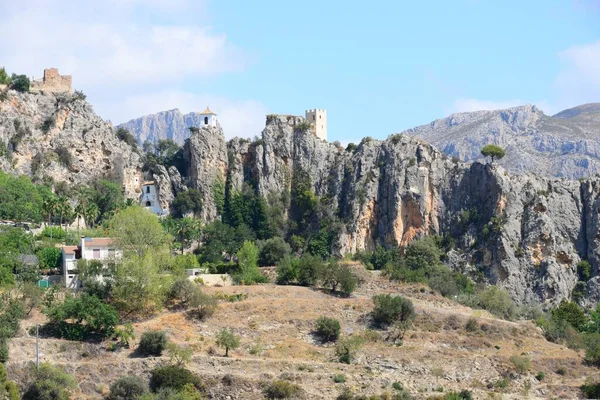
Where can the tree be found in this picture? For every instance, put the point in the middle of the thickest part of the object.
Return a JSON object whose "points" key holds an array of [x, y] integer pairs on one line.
{"points": [[172, 377], [8, 389], [179, 355], [272, 251], [347, 347], [153, 343], [248, 265], [49, 257], [492, 151], [391, 309], [127, 388], [328, 329], [186, 231], [20, 83], [48, 382], [571, 313], [50, 206], [334, 273], [4, 78], [137, 231], [188, 201], [80, 317], [125, 136], [227, 340]]}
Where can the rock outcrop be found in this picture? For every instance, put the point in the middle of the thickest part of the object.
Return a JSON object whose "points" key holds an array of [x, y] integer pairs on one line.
{"points": [[565, 145], [170, 124], [523, 232], [59, 136]]}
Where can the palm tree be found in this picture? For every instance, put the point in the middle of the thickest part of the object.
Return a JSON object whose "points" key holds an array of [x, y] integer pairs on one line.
{"points": [[79, 213], [63, 208], [92, 213], [186, 229], [49, 206]]}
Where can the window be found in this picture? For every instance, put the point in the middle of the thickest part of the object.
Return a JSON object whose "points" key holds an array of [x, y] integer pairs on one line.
{"points": [[314, 118], [96, 254], [205, 120], [147, 189], [320, 116], [148, 204]]}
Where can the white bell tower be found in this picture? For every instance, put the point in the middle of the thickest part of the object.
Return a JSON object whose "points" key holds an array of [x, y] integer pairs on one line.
{"points": [[208, 118]]}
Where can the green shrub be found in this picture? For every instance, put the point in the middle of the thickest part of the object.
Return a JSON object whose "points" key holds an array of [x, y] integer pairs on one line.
{"points": [[127, 388], [20, 83], [571, 313], [337, 276], [227, 340], [392, 309], [492, 151], [272, 251], [521, 363], [498, 302], [248, 273], [472, 325], [153, 343], [172, 377], [48, 382], [592, 348], [561, 371], [584, 270], [339, 378], [462, 395], [540, 376], [328, 329], [280, 389], [125, 136], [347, 347], [591, 388], [50, 257]]}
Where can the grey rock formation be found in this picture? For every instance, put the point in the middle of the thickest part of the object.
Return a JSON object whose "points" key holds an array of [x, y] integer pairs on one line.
{"points": [[565, 145], [59, 136], [528, 235], [170, 124]]}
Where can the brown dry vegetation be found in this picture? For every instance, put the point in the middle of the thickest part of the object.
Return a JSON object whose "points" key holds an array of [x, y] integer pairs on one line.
{"points": [[437, 353]]}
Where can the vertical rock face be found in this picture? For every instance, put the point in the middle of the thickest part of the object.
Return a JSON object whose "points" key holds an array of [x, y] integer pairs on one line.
{"points": [[205, 154], [59, 136], [524, 233]]}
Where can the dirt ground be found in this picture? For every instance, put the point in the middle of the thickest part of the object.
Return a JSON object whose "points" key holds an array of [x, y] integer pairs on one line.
{"points": [[275, 324]]}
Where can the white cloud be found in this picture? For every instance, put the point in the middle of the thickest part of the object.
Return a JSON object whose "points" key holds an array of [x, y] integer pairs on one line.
{"points": [[579, 81], [128, 55], [238, 118], [468, 105]]}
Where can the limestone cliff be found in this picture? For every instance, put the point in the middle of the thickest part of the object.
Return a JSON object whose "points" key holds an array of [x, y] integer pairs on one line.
{"points": [[527, 235], [172, 124], [59, 136]]}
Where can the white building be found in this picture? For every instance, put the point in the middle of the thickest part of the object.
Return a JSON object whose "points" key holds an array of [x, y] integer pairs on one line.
{"points": [[318, 120], [101, 249], [149, 199], [208, 118]]}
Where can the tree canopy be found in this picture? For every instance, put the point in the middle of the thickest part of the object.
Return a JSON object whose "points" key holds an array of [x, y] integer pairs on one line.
{"points": [[492, 151]]}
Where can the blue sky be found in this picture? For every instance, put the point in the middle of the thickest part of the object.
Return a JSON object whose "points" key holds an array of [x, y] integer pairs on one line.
{"points": [[378, 67]]}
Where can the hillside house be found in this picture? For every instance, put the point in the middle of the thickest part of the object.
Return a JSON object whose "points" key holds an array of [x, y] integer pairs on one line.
{"points": [[101, 249]]}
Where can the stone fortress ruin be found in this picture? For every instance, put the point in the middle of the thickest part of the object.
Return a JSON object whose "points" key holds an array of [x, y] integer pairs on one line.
{"points": [[52, 82]]}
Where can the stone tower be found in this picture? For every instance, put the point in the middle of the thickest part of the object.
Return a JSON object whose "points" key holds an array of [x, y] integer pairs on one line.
{"points": [[52, 82], [318, 120], [208, 118]]}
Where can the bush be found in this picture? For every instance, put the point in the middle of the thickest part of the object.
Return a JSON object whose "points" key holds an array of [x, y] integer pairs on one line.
{"points": [[56, 232], [346, 348], [202, 305], [48, 382], [592, 348], [82, 317], [521, 363], [188, 201], [227, 340], [390, 309], [49, 257], [334, 274], [540, 376], [125, 136], [584, 270], [273, 251], [64, 156], [183, 292], [498, 302], [339, 378], [472, 325], [571, 313], [281, 390], [153, 343], [328, 329], [591, 389], [127, 388], [20, 83], [172, 377], [249, 273]]}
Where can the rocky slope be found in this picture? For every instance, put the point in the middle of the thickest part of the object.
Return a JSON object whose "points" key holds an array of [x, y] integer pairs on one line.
{"points": [[59, 136], [528, 234], [564, 145], [170, 124]]}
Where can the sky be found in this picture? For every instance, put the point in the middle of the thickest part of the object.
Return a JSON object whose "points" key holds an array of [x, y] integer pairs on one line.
{"points": [[377, 67]]}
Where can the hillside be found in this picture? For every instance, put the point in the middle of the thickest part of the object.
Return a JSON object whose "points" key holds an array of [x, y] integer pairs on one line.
{"points": [[564, 145], [437, 355]]}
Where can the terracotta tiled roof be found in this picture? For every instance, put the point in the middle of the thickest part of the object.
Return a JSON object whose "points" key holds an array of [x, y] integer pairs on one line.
{"points": [[207, 111], [70, 249], [97, 241], [148, 183]]}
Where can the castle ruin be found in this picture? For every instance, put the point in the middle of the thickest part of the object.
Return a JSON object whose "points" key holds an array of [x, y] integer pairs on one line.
{"points": [[52, 82], [318, 121]]}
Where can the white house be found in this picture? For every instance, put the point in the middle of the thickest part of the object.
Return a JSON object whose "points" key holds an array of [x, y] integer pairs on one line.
{"points": [[208, 118], [149, 199], [101, 249]]}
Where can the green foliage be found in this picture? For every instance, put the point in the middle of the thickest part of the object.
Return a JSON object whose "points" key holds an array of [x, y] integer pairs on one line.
{"points": [[272, 251], [218, 189], [55, 232], [591, 388], [48, 124], [82, 317], [172, 377], [125, 136], [248, 273], [48, 382], [584, 270], [522, 364], [179, 355], [351, 148], [571, 313], [64, 156], [189, 201], [227, 340], [246, 208], [127, 388], [304, 203], [346, 348], [50, 257], [221, 241], [4, 78], [185, 230], [20, 199], [202, 305], [152, 343], [303, 271], [20, 83], [138, 231], [497, 301], [339, 378], [302, 126], [281, 389], [540, 376], [124, 335], [392, 309], [336, 275], [328, 329], [183, 291], [492, 151], [592, 348], [78, 94]]}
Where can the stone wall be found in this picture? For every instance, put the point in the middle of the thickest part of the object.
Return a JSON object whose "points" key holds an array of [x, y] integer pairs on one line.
{"points": [[53, 82]]}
